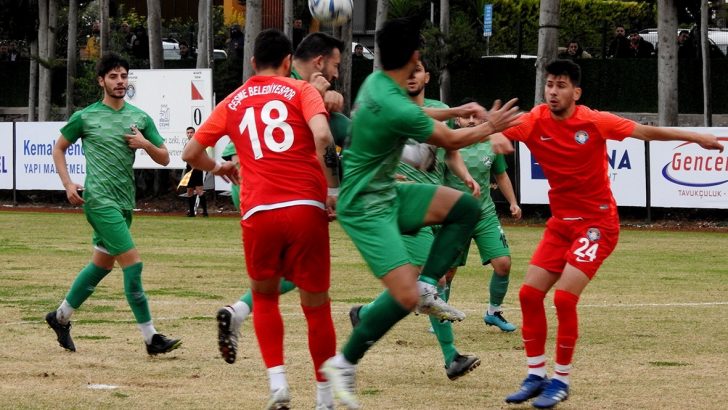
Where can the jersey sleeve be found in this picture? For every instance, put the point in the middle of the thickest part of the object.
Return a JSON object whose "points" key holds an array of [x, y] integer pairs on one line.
{"points": [[73, 130], [151, 133], [409, 121], [499, 165], [612, 126], [311, 102], [215, 126], [522, 131]]}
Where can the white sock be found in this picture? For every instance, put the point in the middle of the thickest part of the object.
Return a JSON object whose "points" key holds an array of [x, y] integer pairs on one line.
{"points": [[148, 331], [537, 365], [340, 361], [277, 377], [64, 312], [323, 394], [241, 311], [492, 309], [424, 287], [561, 372]]}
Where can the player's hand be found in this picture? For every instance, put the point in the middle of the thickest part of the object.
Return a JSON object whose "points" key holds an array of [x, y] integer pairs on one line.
{"points": [[472, 109], [500, 144], [331, 207], [515, 211], [136, 140], [709, 141], [505, 116], [228, 172], [73, 193], [474, 186], [319, 82], [334, 101]]}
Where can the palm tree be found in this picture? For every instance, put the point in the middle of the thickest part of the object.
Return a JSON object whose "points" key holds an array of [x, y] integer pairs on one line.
{"points": [[204, 34], [344, 32], [154, 23], [104, 27], [548, 38], [71, 55], [667, 109], [47, 13], [382, 12], [445, 30], [253, 23]]}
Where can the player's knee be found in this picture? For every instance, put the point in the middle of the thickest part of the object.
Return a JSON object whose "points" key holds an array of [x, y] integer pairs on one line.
{"points": [[501, 266], [407, 299], [529, 295], [565, 301]]}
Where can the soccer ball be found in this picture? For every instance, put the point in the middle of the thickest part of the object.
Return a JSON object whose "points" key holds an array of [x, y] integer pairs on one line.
{"points": [[334, 12]]}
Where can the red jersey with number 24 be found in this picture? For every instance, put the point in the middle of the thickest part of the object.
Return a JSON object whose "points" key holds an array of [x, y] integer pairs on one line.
{"points": [[573, 156], [267, 121]]}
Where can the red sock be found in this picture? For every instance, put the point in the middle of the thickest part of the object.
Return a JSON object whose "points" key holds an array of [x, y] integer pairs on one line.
{"points": [[568, 329], [321, 335], [533, 329], [268, 325]]}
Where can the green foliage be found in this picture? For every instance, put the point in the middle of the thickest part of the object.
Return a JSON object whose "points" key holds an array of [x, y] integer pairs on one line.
{"points": [[405, 8]]}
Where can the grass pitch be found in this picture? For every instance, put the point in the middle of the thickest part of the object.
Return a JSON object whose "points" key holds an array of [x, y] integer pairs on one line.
{"points": [[653, 325]]}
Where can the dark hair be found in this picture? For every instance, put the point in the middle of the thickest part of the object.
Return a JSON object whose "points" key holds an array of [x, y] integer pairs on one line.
{"points": [[468, 100], [425, 64], [565, 67], [190, 128], [109, 62], [271, 47], [317, 44], [397, 40]]}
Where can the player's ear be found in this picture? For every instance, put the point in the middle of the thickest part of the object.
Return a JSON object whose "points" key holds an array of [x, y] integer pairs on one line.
{"points": [[427, 77], [577, 93], [318, 63], [100, 81], [252, 63]]}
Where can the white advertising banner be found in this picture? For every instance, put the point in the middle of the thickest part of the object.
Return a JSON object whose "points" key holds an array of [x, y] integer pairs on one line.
{"points": [[626, 161], [34, 156], [175, 99], [6, 155], [684, 175]]}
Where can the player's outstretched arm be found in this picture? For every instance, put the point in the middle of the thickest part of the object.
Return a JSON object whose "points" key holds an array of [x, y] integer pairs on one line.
{"points": [[650, 133], [59, 159], [195, 154]]}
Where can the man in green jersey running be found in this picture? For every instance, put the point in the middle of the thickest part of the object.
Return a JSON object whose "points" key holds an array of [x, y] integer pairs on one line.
{"points": [[316, 61], [492, 244], [111, 131], [427, 164], [374, 210]]}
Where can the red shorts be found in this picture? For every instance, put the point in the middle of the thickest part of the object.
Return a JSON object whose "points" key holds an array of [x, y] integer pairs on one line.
{"points": [[584, 244], [291, 242]]}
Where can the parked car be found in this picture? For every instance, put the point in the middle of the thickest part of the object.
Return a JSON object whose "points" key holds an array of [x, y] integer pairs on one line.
{"points": [[170, 47], [718, 38]]}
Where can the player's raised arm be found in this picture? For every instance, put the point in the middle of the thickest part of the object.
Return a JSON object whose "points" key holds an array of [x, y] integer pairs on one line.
{"points": [[650, 133]]}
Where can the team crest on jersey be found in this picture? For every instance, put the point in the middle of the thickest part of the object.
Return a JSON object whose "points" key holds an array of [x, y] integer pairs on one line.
{"points": [[593, 234], [487, 161], [581, 137]]}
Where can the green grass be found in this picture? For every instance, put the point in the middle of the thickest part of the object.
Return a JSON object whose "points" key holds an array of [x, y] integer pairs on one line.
{"points": [[655, 317]]}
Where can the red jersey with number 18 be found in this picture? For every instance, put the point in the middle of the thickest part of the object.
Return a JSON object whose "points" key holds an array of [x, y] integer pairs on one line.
{"points": [[267, 121], [573, 156]]}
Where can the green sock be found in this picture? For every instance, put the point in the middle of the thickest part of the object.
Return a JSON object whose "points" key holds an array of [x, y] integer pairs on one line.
{"points": [[85, 284], [382, 314], [453, 237], [135, 292], [498, 288], [365, 308], [285, 287], [444, 334]]}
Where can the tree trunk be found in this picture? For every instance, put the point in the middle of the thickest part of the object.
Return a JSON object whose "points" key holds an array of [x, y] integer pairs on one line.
{"points": [[253, 23], [33, 81], [344, 81], [105, 27], [46, 50], [548, 42], [203, 22], [444, 70], [71, 55], [288, 18], [382, 12], [154, 23], [705, 55], [667, 94]]}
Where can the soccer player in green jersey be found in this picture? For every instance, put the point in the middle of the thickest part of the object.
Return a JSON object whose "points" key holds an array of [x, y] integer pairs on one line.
{"points": [[427, 164], [111, 131], [374, 210], [316, 61], [492, 244]]}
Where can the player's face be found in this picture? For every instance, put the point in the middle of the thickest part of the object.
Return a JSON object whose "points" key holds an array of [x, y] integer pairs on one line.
{"points": [[418, 80], [467, 122], [115, 82], [190, 134], [330, 65], [560, 94]]}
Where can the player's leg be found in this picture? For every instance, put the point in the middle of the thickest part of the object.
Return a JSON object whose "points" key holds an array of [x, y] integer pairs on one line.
{"points": [[191, 198], [456, 213]]}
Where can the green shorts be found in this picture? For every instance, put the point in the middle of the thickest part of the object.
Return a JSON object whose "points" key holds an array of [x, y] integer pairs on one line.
{"points": [[419, 244], [111, 229], [378, 233], [490, 239]]}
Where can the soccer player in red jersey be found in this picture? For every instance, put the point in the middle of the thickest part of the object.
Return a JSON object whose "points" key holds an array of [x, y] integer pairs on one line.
{"points": [[279, 126], [569, 141]]}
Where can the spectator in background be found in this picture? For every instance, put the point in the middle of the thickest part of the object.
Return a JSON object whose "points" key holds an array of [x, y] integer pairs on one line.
{"points": [[619, 47], [236, 42], [128, 35], [686, 45], [93, 42], [4, 53], [140, 43], [574, 51], [184, 51], [639, 47], [358, 53], [298, 33]]}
